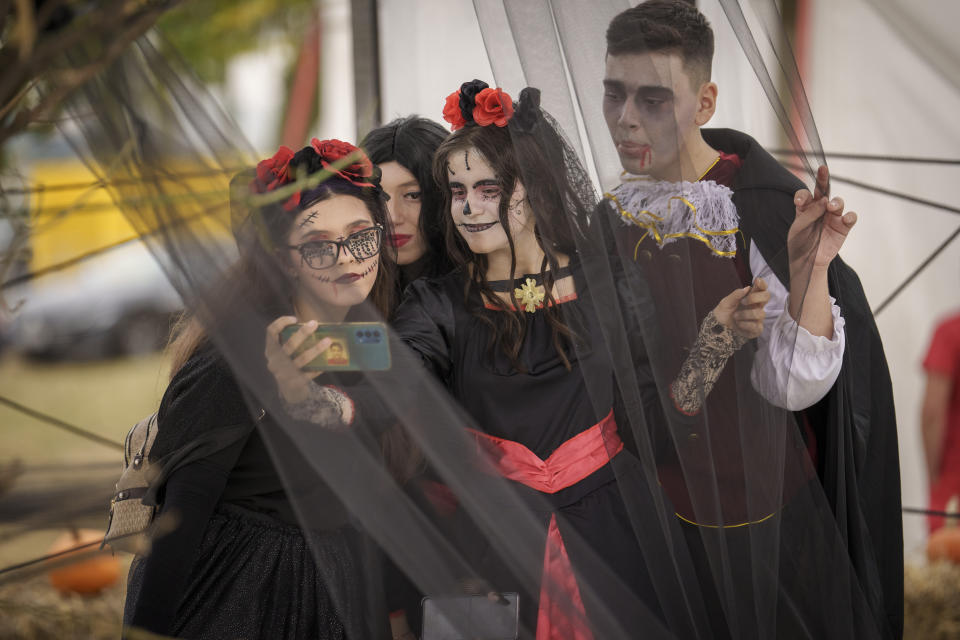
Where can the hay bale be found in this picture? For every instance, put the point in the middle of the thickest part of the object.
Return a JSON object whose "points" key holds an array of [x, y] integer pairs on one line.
{"points": [[33, 610], [931, 604]]}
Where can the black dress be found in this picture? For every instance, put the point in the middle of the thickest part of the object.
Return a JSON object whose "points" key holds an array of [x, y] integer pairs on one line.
{"points": [[237, 565], [540, 410]]}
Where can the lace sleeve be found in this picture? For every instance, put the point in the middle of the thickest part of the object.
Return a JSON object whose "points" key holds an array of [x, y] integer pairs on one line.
{"points": [[327, 406], [714, 345]]}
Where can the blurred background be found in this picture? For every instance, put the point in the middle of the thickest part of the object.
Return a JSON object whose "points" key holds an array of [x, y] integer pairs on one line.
{"points": [[85, 309]]}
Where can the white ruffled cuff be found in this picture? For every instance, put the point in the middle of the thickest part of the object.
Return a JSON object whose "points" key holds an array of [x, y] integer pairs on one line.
{"points": [[796, 369]]}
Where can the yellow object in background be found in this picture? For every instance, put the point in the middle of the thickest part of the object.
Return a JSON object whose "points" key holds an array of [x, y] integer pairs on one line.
{"points": [[70, 218], [72, 215]]}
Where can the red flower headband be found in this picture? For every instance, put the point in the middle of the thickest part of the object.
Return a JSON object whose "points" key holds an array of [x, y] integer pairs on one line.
{"points": [[359, 172], [476, 102], [276, 172]]}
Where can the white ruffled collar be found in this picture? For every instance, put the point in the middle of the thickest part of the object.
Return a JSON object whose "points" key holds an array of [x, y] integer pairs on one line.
{"points": [[702, 210]]}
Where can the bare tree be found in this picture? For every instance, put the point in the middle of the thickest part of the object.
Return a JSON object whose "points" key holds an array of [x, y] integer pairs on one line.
{"points": [[36, 37]]}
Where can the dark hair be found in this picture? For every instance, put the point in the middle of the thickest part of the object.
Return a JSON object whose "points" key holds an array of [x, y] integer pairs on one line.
{"points": [[259, 278], [411, 142], [538, 157], [665, 25]]}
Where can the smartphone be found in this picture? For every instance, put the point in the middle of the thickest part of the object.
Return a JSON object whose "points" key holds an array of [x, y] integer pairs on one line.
{"points": [[355, 346], [469, 617]]}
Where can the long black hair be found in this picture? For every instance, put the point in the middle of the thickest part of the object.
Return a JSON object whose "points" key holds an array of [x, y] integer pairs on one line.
{"points": [[412, 142], [259, 279], [530, 150]]}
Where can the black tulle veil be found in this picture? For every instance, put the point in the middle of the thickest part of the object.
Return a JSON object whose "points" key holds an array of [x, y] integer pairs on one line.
{"points": [[784, 571]]}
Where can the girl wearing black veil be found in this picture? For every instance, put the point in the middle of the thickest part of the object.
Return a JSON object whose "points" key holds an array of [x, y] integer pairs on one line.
{"points": [[508, 334], [786, 543], [228, 558], [403, 150], [448, 324]]}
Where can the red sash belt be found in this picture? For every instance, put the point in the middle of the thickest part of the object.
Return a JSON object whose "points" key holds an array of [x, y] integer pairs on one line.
{"points": [[561, 615], [572, 461]]}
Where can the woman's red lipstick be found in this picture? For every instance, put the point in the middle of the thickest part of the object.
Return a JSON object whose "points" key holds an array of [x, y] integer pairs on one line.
{"points": [[347, 278], [397, 240]]}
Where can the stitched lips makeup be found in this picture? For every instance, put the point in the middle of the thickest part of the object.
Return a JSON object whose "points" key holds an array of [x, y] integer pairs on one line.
{"points": [[349, 278], [397, 240], [476, 228]]}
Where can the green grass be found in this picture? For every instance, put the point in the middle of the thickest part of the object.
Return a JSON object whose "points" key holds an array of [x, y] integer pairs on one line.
{"points": [[105, 397]]}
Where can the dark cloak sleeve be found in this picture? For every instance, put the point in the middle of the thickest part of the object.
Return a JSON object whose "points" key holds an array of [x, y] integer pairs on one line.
{"points": [[855, 424]]}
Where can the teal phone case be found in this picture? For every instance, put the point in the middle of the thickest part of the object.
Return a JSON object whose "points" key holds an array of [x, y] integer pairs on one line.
{"points": [[356, 346]]}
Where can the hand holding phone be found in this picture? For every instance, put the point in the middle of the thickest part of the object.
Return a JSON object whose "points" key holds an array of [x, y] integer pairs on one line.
{"points": [[350, 346], [286, 360]]}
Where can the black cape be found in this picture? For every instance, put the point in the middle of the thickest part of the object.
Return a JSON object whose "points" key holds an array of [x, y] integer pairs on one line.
{"points": [[855, 424]]}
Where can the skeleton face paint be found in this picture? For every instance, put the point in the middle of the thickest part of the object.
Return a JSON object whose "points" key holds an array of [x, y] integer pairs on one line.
{"points": [[349, 281], [476, 194]]}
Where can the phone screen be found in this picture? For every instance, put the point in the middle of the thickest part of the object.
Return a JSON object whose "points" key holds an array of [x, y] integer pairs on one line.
{"points": [[355, 346], [468, 617]]}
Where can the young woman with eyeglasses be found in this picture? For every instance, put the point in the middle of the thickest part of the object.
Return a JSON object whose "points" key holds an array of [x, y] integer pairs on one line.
{"points": [[236, 562]]}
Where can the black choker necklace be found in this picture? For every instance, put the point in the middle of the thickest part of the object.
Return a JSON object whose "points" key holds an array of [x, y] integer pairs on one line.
{"points": [[507, 286]]}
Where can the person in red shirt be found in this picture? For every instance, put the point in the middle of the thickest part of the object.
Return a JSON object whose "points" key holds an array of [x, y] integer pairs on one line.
{"points": [[941, 416]]}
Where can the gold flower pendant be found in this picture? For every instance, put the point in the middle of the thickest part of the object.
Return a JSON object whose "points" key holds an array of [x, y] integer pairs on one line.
{"points": [[530, 296]]}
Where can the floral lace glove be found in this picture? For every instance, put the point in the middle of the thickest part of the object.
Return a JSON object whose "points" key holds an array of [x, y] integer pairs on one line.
{"points": [[714, 345], [326, 405]]}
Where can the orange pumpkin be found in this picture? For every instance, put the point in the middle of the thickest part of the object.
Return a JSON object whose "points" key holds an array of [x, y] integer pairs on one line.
{"points": [[944, 543], [92, 571]]}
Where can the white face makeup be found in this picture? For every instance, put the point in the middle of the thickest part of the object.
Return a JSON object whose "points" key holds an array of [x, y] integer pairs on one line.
{"points": [[404, 208], [349, 281], [475, 194], [649, 106]]}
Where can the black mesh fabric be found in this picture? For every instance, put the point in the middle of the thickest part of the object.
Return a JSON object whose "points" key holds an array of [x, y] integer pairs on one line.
{"points": [[725, 527]]}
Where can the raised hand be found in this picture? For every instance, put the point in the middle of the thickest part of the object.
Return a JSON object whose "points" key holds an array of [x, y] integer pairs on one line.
{"points": [[742, 310], [292, 382], [804, 233]]}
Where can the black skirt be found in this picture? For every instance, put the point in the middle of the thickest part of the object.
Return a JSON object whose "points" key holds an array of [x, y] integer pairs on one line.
{"points": [[257, 577]]}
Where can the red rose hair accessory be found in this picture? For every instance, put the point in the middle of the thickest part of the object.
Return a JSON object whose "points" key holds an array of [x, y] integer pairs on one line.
{"points": [[493, 106], [475, 102], [275, 172], [451, 111], [359, 172]]}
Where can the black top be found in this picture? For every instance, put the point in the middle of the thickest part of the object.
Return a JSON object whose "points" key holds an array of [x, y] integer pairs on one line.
{"points": [[204, 409], [426, 266], [540, 408]]}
